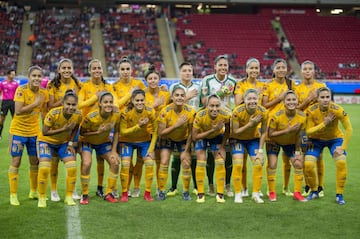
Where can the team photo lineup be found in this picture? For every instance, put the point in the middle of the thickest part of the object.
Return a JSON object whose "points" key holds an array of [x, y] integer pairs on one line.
{"points": [[206, 130]]}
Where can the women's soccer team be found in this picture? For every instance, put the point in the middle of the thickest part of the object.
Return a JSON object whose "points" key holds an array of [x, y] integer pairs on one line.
{"points": [[208, 128]]}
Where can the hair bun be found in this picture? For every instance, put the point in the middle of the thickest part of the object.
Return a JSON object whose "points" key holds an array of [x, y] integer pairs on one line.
{"points": [[151, 68]]}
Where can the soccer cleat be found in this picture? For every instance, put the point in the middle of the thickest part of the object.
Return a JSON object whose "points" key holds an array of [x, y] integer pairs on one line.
{"points": [[84, 200], [220, 198], [238, 198], [195, 191], [244, 193], [211, 190], [129, 193], [75, 196], [186, 196], [312, 195], [42, 202], [340, 199], [124, 197], [69, 200], [110, 198], [229, 191], [261, 194], [55, 196], [115, 193], [200, 198], [272, 196], [100, 192], [14, 200], [297, 196], [172, 192], [33, 195], [287, 192], [321, 191], [136, 193], [306, 191], [161, 196], [257, 197], [147, 196]]}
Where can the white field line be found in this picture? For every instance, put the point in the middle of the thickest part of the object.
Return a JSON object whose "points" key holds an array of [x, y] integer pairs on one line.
{"points": [[73, 222]]}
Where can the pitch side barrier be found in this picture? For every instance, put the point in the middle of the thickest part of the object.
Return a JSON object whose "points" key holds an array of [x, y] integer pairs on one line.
{"points": [[345, 91]]}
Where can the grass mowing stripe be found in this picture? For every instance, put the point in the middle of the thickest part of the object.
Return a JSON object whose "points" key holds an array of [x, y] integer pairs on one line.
{"points": [[73, 222]]}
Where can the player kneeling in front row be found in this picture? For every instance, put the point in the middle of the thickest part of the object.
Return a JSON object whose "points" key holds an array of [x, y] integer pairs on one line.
{"points": [[323, 130], [211, 126], [285, 131], [95, 134], [249, 122], [60, 127]]}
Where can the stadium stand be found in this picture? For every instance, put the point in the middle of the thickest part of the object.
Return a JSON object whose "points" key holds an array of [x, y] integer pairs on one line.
{"points": [[62, 33], [11, 19], [333, 43], [204, 37], [132, 34]]}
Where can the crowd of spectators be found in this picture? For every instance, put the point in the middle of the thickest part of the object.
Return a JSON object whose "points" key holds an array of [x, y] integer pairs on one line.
{"points": [[62, 33], [11, 18], [132, 34]]}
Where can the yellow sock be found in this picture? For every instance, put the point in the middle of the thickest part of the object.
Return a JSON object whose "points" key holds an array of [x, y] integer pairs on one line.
{"points": [[13, 175], [85, 180], [54, 173], [138, 172], [157, 162], [286, 168], [298, 176], [124, 175], [271, 179], [100, 168], [244, 172], [111, 184], [200, 175], [149, 174], [44, 170], [320, 165], [341, 173], [33, 175], [237, 174], [220, 175], [186, 178], [163, 176], [70, 177], [309, 171], [257, 175]]}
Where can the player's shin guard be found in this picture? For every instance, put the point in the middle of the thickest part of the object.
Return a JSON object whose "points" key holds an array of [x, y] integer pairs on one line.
{"points": [[237, 174], [44, 170], [220, 175], [286, 169], [163, 176], [85, 180], [341, 173], [54, 173], [13, 175], [320, 165], [298, 179], [271, 179], [33, 175], [200, 175], [111, 185], [257, 176], [149, 174], [309, 171], [125, 175], [70, 177], [186, 178]]}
